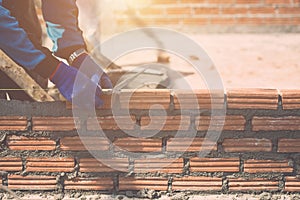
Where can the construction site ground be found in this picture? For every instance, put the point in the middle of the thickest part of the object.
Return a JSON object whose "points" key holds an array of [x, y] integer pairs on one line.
{"points": [[242, 60]]}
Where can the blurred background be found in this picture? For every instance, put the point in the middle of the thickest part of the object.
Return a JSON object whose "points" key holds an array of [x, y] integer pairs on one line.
{"points": [[253, 43]]}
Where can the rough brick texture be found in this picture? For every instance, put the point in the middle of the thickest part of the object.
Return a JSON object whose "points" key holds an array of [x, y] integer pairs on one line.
{"points": [[111, 123], [247, 145], [14, 123], [197, 184], [268, 166], [218, 123], [215, 165], [190, 13], [103, 165], [165, 123], [17, 182], [198, 99], [292, 184], [136, 183], [252, 99], [50, 164], [30, 144], [190, 145], [9, 164], [255, 150], [53, 124], [138, 145], [89, 184], [164, 165], [290, 99], [290, 123], [255, 184], [84, 143], [286, 145]]}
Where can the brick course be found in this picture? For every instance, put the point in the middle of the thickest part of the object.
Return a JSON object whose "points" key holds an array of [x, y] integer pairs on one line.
{"points": [[254, 142], [186, 14]]}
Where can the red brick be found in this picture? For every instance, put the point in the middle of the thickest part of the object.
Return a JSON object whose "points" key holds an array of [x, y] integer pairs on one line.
{"points": [[76, 144], [162, 1], [286, 145], [262, 10], [94, 165], [277, 1], [179, 11], [17, 182], [214, 165], [53, 124], [30, 144], [292, 184], [206, 11], [218, 123], [13, 123], [252, 99], [279, 20], [111, 123], [193, 1], [101, 184], [234, 10], [267, 166], [145, 99], [290, 123], [136, 183], [198, 99], [255, 184], [190, 145], [223, 20], [10, 164], [247, 145], [248, 1], [165, 123], [197, 184], [220, 1], [50, 164], [163, 165], [290, 99], [151, 11], [196, 21], [138, 145]]}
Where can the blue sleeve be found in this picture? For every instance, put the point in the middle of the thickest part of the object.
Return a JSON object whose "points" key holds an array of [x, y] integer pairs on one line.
{"points": [[61, 18], [15, 43]]}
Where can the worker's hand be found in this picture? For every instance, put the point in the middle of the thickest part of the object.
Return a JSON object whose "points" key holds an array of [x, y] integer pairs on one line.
{"points": [[85, 64], [77, 87]]}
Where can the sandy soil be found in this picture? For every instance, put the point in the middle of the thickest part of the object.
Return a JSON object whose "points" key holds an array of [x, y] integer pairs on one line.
{"points": [[179, 196], [242, 60]]}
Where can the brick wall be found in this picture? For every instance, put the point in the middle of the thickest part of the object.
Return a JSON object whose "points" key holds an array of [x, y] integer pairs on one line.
{"points": [[257, 150], [210, 15]]}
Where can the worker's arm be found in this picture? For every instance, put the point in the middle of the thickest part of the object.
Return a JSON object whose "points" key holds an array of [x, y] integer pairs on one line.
{"points": [[61, 17], [71, 83]]}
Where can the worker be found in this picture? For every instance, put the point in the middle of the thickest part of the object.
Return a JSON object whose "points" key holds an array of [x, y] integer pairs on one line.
{"points": [[20, 39]]}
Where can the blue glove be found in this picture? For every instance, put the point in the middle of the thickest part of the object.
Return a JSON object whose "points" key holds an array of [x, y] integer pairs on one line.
{"points": [[77, 87], [85, 64]]}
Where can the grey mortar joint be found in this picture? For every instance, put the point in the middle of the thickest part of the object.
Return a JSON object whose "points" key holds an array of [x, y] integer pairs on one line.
{"points": [[242, 165], [170, 181], [186, 166], [164, 144], [225, 185]]}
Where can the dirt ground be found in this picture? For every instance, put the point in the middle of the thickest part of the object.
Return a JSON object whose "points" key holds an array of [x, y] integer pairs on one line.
{"points": [[242, 60], [179, 196]]}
